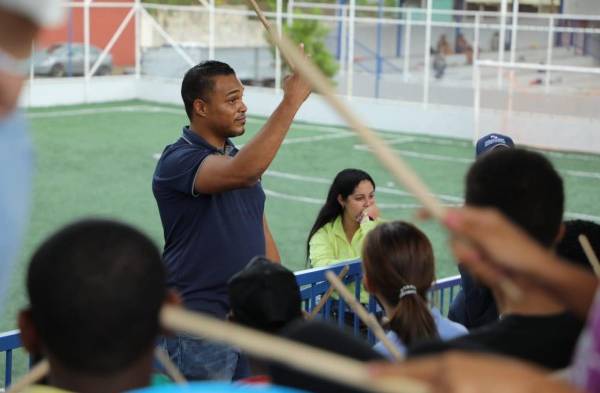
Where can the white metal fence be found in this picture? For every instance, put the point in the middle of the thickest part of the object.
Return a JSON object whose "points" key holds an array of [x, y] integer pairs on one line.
{"points": [[383, 52]]}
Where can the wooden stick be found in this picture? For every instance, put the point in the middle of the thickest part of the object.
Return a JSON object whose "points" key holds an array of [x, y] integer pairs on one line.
{"points": [[394, 163], [42, 369], [265, 22], [364, 316], [308, 359], [589, 253], [327, 294], [399, 169], [38, 372], [170, 367]]}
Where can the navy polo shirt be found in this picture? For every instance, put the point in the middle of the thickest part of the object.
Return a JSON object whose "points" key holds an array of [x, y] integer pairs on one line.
{"points": [[208, 237]]}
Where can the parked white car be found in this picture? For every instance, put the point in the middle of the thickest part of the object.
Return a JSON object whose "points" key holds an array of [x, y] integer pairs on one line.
{"points": [[65, 59]]}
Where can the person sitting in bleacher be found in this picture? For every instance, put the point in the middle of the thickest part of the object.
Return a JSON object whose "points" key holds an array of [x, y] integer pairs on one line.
{"points": [[349, 213], [263, 296], [399, 269], [474, 305], [95, 291], [266, 297], [527, 189], [500, 250]]}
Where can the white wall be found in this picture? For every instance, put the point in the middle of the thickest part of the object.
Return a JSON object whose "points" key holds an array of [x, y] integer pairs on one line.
{"points": [[380, 114], [70, 91], [582, 7]]}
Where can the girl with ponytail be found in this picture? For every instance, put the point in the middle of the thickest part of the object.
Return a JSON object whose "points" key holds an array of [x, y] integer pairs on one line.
{"points": [[398, 269]]}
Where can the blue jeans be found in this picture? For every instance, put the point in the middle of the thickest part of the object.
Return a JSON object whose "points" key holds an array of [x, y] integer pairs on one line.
{"points": [[200, 359]]}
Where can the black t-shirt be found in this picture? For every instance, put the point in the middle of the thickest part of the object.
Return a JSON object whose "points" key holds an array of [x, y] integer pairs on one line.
{"points": [[547, 341]]}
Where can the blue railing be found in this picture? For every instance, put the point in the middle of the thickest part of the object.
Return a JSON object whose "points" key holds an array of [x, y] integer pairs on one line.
{"points": [[9, 341], [312, 284]]}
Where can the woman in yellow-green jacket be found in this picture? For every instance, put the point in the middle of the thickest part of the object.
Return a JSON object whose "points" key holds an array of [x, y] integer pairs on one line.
{"points": [[343, 222]]}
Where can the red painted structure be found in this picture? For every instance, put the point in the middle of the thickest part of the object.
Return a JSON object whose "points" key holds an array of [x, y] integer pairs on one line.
{"points": [[103, 24]]}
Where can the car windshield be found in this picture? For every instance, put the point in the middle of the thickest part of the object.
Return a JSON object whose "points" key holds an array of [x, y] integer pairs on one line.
{"points": [[58, 49]]}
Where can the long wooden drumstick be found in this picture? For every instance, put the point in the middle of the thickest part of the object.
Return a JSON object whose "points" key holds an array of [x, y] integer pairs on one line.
{"points": [[590, 254], [395, 165], [38, 372], [368, 319], [42, 369], [302, 357], [399, 169], [327, 294]]}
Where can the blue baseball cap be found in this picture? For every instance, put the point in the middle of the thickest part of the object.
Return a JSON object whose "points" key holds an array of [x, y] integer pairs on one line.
{"points": [[491, 142]]}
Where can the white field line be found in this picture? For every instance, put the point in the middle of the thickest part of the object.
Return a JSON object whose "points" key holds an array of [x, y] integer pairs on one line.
{"points": [[444, 142], [454, 200], [399, 140], [582, 216], [469, 144], [424, 156], [280, 195], [323, 128], [307, 139], [383, 190], [319, 202], [593, 175], [572, 156], [160, 109], [460, 143], [338, 133], [459, 160], [81, 112], [410, 205]]}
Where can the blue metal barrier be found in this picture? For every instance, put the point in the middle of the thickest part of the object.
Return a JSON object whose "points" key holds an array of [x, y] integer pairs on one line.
{"points": [[9, 341], [313, 285]]}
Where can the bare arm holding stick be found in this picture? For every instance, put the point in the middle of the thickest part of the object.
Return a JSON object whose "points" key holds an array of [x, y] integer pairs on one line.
{"points": [[397, 167], [525, 259]]}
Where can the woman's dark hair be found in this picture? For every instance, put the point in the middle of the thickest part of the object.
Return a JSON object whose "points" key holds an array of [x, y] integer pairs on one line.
{"points": [[344, 184], [396, 254]]}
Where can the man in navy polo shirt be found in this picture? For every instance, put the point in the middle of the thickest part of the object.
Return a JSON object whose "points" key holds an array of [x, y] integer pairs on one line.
{"points": [[211, 203]]}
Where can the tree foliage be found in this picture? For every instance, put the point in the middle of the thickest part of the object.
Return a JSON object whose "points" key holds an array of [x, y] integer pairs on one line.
{"points": [[310, 32], [313, 34]]}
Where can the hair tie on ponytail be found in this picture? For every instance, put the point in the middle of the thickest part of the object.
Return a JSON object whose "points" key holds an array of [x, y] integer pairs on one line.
{"points": [[407, 290]]}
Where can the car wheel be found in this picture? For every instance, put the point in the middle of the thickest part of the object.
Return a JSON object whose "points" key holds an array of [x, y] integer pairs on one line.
{"points": [[103, 70], [57, 71]]}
